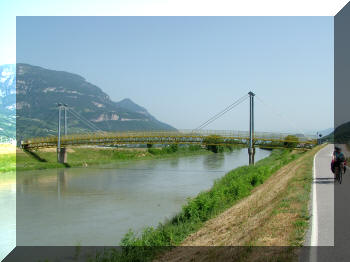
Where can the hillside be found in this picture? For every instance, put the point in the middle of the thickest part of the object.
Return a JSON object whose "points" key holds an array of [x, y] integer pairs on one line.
{"points": [[7, 102], [39, 90], [341, 134]]}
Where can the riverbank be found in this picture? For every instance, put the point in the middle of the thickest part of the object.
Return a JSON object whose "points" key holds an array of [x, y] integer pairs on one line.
{"points": [[92, 156], [275, 215], [210, 205], [7, 158]]}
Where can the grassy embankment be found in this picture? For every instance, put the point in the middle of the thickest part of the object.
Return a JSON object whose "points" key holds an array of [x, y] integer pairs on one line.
{"points": [[83, 157], [7, 158], [7, 163], [235, 185]]}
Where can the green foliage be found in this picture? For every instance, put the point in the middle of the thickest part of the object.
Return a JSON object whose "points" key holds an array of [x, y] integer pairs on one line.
{"points": [[225, 192], [169, 149], [7, 163], [212, 143], [172, 148], [194, 147], [291, 141], [90, 156], [154, 151]]}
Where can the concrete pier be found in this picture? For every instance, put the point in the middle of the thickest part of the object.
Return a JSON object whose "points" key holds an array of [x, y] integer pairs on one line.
{"points": [[62, 155], [251, 153]]}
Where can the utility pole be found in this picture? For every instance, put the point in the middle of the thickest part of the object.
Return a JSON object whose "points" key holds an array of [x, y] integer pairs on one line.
{"points": [[251, 149]]}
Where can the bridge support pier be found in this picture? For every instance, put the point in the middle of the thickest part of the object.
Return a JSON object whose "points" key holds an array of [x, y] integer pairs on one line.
{"points": [[62, 155], [251, 153]]}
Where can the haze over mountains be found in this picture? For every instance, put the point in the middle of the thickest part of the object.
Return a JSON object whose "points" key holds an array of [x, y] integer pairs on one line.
{"points": [[39, 90], [7, 101]]}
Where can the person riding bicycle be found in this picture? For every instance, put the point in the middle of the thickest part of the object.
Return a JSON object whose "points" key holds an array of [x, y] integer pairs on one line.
{"points": [[337, 158]]}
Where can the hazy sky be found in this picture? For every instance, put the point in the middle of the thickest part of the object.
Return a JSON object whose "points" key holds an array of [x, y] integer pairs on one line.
{"points": [[185, 69]]}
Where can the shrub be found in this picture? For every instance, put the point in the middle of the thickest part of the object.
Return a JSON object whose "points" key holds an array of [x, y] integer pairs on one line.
{"points": [[291, 141], [212, 143]]}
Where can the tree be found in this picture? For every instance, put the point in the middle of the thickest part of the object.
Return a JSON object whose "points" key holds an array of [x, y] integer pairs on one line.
{"points": [[291, 141], [214, 143]]}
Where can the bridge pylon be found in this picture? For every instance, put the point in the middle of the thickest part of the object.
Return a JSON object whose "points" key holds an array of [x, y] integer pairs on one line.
{"points": [[61, 151], [251, 149]]}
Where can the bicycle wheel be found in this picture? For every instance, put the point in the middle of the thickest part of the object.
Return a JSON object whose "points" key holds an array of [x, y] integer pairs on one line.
{"points": [[340, 175]]}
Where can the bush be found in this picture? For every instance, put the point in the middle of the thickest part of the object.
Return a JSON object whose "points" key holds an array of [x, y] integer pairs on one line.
{"points": [[291, 141], [194, 148], [172, 148], [212, 143], [154, 151]]}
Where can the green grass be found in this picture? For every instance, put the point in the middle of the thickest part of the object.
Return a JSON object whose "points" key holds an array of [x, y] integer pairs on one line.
{"points": [[302, 185], [225, 192], [7, 163], [83, 157], [293, 202]]}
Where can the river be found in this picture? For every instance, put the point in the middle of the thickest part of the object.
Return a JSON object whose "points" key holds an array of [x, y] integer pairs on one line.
{"points": [[96, 206]]}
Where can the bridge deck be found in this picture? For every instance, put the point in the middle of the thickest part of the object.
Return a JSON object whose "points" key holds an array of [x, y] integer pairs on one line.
{"points": [[261, 139]]}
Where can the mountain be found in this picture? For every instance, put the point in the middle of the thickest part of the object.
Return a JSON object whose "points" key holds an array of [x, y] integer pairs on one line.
{"points": [[7, 101], [325, 132], [340, 135], [39, 90]]}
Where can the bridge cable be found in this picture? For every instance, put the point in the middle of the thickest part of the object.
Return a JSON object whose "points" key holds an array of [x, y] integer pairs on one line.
{"points": [[90, 128], [222, 112], [88, 124], [84, 120], [81, 121], [280, 115]]}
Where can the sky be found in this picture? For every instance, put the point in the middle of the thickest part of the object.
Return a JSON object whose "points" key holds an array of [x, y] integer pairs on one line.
{"points": [[186, 69]]}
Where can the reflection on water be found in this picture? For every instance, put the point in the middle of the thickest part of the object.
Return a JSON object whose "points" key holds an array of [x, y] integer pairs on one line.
{"points": [[8, 214], [213, 162], [97, 205]]}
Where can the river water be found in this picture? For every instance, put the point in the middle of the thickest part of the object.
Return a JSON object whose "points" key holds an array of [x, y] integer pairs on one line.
{"points": [[97, 205], [7, 213]]}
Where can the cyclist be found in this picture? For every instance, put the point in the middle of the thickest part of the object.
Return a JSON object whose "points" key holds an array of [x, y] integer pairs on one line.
{"points": [[337, 158]]}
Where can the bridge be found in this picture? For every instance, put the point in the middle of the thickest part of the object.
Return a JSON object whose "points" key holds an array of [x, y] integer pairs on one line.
{"points": [[199, 137], [196, 136]]}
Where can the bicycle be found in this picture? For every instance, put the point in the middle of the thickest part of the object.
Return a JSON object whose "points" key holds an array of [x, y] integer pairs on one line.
{"points": [[339, 172]]}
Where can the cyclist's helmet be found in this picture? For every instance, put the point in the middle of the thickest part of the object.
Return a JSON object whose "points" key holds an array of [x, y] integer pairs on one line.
{"points": [[337, 148]]}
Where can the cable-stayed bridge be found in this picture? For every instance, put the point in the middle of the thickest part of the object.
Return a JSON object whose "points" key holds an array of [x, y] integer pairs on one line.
{"points": [[206, 137], [195, 136]]}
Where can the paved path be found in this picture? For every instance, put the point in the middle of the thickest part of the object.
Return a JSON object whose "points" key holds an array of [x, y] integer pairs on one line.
{"points": [[329, 227], [322, 231]]}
